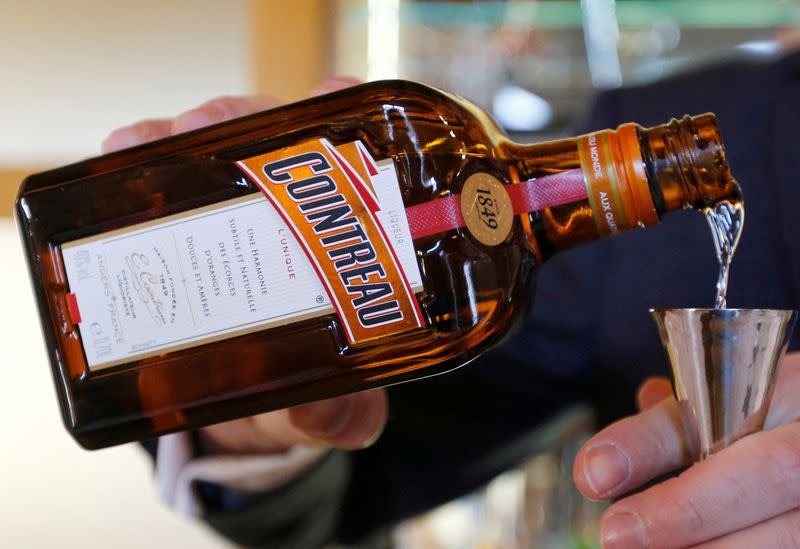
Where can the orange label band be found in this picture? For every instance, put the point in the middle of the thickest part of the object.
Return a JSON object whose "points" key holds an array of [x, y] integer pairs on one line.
{"points": [[616, 183], [602, 182], [323, 194]]}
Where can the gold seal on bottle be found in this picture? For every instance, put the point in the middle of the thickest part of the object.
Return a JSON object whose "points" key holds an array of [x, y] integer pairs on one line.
{"points": [[487, 209]]}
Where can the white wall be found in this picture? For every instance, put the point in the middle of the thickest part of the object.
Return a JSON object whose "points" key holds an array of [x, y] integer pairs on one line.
{"points": [[73, 70], [70, 72], [52, 492]]}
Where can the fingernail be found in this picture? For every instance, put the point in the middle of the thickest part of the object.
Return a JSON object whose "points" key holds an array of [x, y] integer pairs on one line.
{"points": [[122, 139], [623, 530], [325, 419], [605, 468], [197, 118], [373, 438]]}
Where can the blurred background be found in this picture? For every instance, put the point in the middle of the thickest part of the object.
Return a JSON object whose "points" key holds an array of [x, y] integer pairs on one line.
{"points": [[70, 72]]}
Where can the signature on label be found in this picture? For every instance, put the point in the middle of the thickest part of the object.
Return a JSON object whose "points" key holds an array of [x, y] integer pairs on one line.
{"points": [[147, 287]]}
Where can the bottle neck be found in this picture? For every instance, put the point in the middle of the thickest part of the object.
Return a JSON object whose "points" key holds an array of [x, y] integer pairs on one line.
{"points": [[686, 164], [630, 178]]}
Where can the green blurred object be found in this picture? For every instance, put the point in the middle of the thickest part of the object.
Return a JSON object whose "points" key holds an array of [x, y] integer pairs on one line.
{"points": [[566, 14], [555, 54]]}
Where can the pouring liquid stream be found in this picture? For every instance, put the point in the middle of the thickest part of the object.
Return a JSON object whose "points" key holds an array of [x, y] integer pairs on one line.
{"points": [[726, 220]]}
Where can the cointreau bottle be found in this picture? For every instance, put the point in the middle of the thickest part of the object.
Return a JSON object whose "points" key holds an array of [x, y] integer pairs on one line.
{"points": [[378, 234]]}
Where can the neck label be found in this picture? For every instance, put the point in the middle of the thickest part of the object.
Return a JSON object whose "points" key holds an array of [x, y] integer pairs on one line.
{"points": [[603, 182]]}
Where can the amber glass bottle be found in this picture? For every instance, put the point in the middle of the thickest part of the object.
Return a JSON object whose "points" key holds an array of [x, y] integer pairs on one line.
{"points": [[379, 234]]}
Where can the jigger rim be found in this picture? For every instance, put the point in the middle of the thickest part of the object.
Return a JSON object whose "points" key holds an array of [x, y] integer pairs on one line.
{"points": [[726, 309]]}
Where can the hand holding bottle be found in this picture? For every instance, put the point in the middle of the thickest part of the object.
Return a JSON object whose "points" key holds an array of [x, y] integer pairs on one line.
{"points": [[349, 422], [747, 495]]}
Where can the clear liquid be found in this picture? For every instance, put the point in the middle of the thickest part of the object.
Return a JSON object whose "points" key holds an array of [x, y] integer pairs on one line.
{"points": [[726, 220]]}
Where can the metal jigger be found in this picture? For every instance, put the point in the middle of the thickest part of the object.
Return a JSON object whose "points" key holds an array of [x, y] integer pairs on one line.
{"points": [[724, 362]]}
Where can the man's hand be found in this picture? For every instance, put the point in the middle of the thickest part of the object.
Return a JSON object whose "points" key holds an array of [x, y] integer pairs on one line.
{"points": [[348, 422], [747, 495]]}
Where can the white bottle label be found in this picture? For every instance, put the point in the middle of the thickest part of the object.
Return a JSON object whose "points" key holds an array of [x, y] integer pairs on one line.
{"points": [[207, 274]]}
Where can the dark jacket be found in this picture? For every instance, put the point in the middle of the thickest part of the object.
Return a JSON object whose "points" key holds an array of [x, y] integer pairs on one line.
{"points": [[589, 339]]}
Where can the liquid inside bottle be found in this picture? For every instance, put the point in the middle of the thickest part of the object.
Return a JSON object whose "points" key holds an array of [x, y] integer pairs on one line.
{"points": [[380, 234]]}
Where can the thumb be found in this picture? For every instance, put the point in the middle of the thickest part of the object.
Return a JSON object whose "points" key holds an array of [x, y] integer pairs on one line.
{"points": [[349, 422]]}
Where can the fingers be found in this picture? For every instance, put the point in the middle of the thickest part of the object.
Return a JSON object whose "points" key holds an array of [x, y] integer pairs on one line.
{"points": [[221, 109], [210, 112], [350, 422], [136, 134], [784, 407], [782, 531], [631, 452], [753, 480], [263, 433], [653, 391]]}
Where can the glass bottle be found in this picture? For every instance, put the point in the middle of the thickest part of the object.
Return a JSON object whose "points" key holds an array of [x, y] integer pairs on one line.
{"points": [[375, 235]]}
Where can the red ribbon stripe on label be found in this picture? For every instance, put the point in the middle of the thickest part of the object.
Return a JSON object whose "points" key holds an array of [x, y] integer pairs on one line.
{"points": [[444, 214]]}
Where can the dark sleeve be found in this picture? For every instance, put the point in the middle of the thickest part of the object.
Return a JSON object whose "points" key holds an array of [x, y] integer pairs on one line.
{"points": [[303, 514], [603, 113]]}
